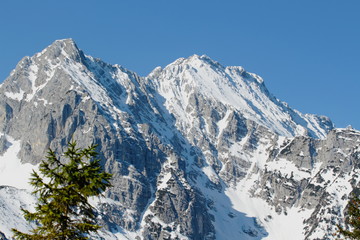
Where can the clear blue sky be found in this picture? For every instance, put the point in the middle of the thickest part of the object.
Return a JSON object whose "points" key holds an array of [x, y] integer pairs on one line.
{"points": [[307, 51]]}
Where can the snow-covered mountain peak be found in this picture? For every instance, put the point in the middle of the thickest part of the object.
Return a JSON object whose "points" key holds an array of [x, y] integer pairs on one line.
{"points": [[196, 61], [202, 70], [67, 43], [204, 59], [32, 74], [64, 47], [181, 83], [197, 149], [186, 80]]}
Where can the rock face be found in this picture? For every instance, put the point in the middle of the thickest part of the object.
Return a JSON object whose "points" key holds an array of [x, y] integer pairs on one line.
{"points": [[197, 150], [2, 236]]}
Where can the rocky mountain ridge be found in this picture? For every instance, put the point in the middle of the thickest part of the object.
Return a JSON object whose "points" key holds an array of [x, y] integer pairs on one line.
{"points": [[197, 150]]}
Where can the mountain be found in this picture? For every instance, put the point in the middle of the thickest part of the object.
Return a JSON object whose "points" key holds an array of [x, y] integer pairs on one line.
{"points": [[197, 150]]}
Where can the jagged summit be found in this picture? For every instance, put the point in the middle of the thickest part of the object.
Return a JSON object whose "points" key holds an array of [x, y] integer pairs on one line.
{"points": [[196, 60], [68, 45], [34, 73], [188, 79], [61, 49], [180, 83]]}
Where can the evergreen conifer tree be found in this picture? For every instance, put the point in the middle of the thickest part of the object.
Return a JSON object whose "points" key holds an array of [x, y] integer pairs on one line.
{"points": [[63, 211], [353, 219]]}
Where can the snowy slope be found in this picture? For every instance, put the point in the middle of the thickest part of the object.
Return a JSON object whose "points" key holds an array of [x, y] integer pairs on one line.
{"points": [[236, 88], [11, 201], [12, 171]]}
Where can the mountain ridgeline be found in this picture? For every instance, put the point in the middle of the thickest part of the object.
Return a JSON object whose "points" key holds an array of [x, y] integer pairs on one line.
{"points": [[197, 150]]}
